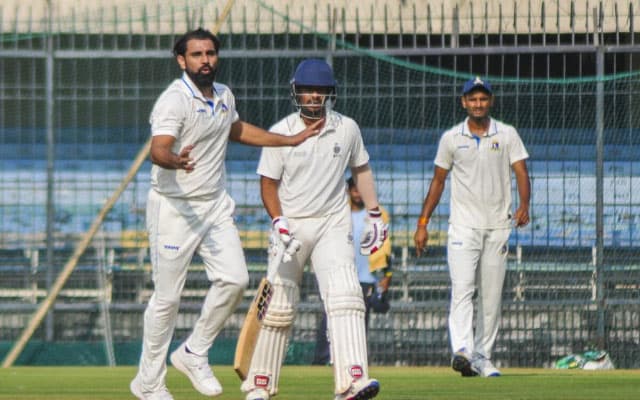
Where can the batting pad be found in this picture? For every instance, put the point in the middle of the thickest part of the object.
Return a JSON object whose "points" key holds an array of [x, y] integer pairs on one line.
{"points": [[347, 335], [272, 340]]}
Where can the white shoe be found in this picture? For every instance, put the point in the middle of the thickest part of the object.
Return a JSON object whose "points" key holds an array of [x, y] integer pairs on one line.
{"points": [[136, 389], [257, 394], [362, 389], [197, 369], [483, 367]]}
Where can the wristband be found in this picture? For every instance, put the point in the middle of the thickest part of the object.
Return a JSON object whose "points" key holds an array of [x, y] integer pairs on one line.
{"points": [[375, 213], [388, 274], [423, 221]]}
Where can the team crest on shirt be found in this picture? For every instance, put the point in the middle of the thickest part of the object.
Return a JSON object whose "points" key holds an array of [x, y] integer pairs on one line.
{"points": [[336, 150], [495, 145]]}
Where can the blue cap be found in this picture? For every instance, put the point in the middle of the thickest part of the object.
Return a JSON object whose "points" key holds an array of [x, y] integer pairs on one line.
{"points": [[476, 83], [313, 72]]}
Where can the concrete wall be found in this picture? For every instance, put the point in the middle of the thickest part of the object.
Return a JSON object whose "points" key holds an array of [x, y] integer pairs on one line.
{"points": [[421, 16]]}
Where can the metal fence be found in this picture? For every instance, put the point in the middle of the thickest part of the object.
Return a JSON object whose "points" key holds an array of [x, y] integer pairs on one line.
{"points": [[73, 113]]}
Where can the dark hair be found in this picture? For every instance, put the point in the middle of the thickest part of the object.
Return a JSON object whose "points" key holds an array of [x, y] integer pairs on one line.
{"points": [[350, 182], [180, 47]]}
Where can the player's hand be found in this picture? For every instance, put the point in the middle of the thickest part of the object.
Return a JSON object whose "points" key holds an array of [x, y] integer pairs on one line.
{"points": [[311, 130], [282, 239], [291, 249], [420, 239], [384, 283], [521, 217], [374, 234], [185, 161], [281, 229]]}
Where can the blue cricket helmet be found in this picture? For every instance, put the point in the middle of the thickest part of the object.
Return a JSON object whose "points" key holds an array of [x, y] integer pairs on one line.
{"points": [[313, 72]]}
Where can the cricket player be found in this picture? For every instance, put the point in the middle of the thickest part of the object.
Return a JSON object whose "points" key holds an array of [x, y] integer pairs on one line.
{"points": [[480, 153], [303, 190], [189, 211]]}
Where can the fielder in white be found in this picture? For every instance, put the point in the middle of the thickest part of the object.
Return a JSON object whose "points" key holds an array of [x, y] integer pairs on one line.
{"points": [[480, 152], [303, 190], [189, 211]]}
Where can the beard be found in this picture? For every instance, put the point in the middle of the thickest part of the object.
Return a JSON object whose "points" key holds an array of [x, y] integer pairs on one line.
{"points": [[203, 80]]}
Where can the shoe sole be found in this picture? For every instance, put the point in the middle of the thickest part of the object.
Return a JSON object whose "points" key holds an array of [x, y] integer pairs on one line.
{"points": [[368, 392], [463, 365], [183, 368]]}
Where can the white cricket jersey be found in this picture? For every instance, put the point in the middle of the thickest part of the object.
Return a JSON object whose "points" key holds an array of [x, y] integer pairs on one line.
{"points": [[311, 174], [183, 112], [480, 170]]}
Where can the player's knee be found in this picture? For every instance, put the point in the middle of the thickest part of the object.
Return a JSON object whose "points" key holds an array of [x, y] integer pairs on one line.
{"points": [[241, 284], [281, 310], [240, 280], [344, 293], [166, 302], [344, 282], [345, 304]]}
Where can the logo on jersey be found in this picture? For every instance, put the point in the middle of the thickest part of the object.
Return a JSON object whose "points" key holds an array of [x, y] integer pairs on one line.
{"points": [[171, 247], [350, 237], [356, 372], [336, 150], [495, 146], [261, 381]]}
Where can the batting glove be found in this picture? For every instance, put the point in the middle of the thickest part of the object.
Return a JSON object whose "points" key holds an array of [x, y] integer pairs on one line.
{"points": [[282, 240], [375, 233], [281, 229], [291, 249]]}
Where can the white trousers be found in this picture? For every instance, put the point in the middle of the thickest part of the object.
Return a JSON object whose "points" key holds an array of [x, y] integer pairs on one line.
{"points": [[477, 260], [327, 243], [178, 229]]}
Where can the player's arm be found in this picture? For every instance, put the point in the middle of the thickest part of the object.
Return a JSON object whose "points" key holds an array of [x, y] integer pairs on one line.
{"points": [[162, 154], [421, 237], [270, 199], [246, 133], [521, 217], [363, 177], [376, 230], [387, 273]]}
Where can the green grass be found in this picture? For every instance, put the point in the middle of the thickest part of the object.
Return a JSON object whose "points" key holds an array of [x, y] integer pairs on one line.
{"points": [[316, 383]]}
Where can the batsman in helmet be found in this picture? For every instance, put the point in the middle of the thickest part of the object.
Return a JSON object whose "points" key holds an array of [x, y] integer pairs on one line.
{"points": [[303, 191]]}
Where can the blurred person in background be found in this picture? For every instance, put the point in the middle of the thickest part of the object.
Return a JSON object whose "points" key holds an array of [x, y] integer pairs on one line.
{"points": [[480, 152]]}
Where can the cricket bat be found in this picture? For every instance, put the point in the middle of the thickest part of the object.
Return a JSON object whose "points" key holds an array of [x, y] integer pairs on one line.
{"points": [[253, 321], [251, 328]]}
